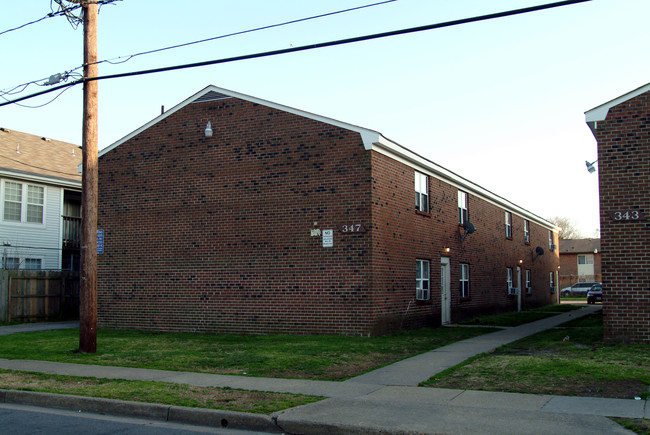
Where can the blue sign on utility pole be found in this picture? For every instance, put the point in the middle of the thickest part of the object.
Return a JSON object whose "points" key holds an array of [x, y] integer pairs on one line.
{"points": [[100, 241]]}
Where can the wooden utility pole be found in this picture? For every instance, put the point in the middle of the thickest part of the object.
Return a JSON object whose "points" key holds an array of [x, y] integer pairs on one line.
{"points": [[89, 186]]}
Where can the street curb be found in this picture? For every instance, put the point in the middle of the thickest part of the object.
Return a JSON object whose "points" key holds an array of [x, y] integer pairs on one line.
{"points": [[150, 411]]}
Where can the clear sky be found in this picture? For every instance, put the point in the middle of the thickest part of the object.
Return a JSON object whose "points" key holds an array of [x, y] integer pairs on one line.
{"points": [[500, 102]]}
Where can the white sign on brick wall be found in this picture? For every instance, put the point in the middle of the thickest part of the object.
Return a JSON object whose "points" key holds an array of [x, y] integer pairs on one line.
{"points": [[328, 238]]}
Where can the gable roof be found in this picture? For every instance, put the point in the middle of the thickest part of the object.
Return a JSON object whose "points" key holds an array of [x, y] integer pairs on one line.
{"points": [[599, 113], [372, 140], [579, 246], [35, 158]]}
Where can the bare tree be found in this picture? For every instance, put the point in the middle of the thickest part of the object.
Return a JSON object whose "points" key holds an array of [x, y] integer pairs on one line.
{"points": [[568, 229]]}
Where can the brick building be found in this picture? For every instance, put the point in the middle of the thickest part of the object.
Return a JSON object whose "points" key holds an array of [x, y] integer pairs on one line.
{"points": [[621, 128], [236, 215], [579, 261]]}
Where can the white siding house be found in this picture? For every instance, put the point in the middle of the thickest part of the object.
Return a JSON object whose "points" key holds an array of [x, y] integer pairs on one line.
{"points": [[40, 196]]}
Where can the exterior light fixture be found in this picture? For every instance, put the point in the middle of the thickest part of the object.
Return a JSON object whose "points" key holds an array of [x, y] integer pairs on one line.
{"points": [[208, 130], [590, 166], [521, 261], [447, 250]]}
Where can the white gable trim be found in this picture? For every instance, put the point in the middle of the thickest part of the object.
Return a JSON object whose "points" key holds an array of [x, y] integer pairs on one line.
{"points": [[600, 113], [367, 135], [372, 140]]}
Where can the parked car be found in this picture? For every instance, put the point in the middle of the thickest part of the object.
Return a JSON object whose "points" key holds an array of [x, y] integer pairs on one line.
{"points": [[595, 294], [579, 289]]}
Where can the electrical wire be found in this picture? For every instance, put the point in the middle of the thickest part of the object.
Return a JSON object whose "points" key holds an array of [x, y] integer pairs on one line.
{"points": [[242, 32], [64, 11], [114, 61], [311, 46], [38, 167], [40, 105]]}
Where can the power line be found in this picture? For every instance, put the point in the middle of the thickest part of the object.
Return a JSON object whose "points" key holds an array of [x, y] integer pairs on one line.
{"points": [[242, 32], [114, 61], [63, 11], [311, 46]]}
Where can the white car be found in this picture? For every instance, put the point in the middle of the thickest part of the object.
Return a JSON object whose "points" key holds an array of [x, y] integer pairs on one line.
{"points": [[578, 289]]}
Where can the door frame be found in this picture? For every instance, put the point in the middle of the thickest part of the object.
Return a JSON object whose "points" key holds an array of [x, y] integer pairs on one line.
{"points": [[445, 291]]}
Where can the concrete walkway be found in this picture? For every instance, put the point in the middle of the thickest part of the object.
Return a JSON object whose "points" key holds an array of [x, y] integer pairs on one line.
{"points": [[386, 400]]}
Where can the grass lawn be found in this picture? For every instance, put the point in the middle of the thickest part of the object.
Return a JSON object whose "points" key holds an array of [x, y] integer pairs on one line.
{"points": [[519, 318], [568, 360], [308, 357], [154, 392]]}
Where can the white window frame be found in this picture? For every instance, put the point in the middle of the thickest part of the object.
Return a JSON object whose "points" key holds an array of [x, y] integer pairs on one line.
{"points": [[586, 259], [464, 280], [551, 280], [422, 280], [15, 261], [529, 277], [509, 280], [551, 240], [21, 263], [27, 261], [463, 214], [508, 220], [25, 204], [421, 192], [527, 231]]}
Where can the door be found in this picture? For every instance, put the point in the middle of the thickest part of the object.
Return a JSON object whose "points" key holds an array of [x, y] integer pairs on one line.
{"points": [[445, 296], [518, 288]]}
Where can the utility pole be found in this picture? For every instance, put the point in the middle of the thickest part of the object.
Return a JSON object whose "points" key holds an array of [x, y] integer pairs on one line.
{"points": [[89, 186]]}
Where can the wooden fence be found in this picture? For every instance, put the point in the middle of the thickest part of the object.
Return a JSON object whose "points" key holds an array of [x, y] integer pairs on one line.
{"points": [[33, 295]]}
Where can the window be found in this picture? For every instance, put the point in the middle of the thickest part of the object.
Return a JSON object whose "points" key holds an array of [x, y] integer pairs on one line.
{"points": [[462, 207], [14, 263], [464, 280], [511, 289], [551, 280], [422, 280], [23, 203], [509, 225], [11, 263], [551, 241], [421, 192], [586, 259], [33, 263], [527, 231], [529, 287]]}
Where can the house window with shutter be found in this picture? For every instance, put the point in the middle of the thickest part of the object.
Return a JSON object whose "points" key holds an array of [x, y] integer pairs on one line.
{"points": [[526, 231], [508, 225], [422, 288], [511, 290], [421, 192], [529, 285], [462, 207], [464, 281]]}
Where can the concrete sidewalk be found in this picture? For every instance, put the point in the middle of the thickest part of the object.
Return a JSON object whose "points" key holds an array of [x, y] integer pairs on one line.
{"points": [[386, 400]]}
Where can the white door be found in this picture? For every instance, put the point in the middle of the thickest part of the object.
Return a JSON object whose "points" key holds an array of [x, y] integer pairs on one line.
{"points": [[445, 297], [518, 288]]}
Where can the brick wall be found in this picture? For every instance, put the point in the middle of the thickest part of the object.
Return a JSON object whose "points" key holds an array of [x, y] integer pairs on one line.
{"points": [[402, 235], [215, 234], [624, 183]]}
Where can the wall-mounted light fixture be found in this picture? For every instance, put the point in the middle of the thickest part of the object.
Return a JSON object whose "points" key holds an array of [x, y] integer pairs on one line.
{"points": [[521, 261], [590, 166], [447, 250], [208, 130]]}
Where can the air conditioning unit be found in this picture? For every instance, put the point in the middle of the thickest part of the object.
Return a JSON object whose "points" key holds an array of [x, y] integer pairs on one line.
{"points": [[553, 247], [513, 290]]}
